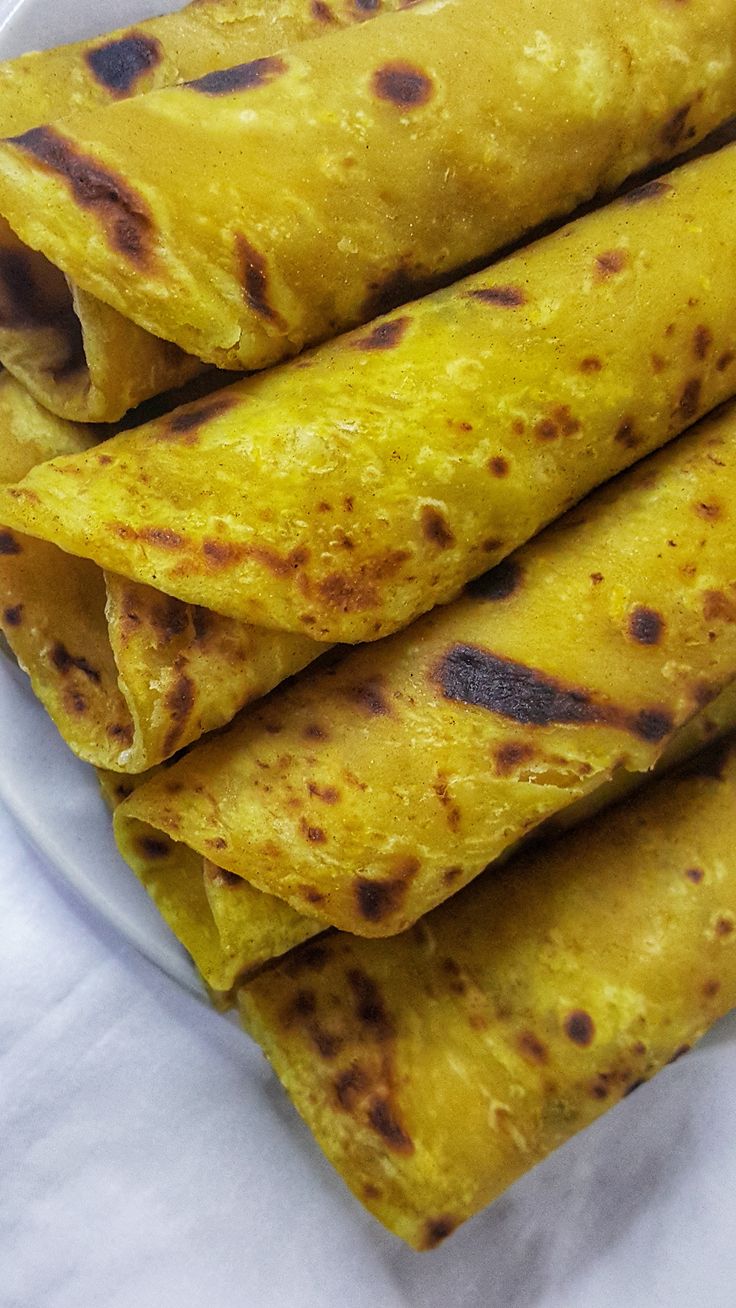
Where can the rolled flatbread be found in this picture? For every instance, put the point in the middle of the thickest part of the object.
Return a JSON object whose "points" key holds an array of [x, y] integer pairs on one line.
{"points": [[425, 141], [343, 494], [436, 1067], [78, 356], [128, 675], [366, 793]]}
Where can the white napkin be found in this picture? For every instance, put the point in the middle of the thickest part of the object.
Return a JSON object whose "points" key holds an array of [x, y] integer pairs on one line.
{"points": [[150, 1160]]}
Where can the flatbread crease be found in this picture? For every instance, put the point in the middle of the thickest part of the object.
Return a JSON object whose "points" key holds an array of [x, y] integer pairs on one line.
{"points": [[128, 675]]}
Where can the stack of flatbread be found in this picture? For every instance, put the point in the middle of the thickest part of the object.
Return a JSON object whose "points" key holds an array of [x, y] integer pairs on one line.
{"points": [[455, 458]]}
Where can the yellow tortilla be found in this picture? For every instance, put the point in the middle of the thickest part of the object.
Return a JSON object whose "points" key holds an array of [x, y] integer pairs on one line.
{"points": [[79, 357], [231, 929], [425, 141], [436, 1067], [343, 494], [370, 791], [128, 675]]}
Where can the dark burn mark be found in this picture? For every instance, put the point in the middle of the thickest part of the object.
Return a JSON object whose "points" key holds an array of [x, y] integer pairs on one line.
{"points": [[498, 466], [645, 625], [328, 794], [368, 695], [384, 336], [313, 835], [183, 422], [437, 1229], [13, 617], [123, 213], [346, 595], [725, 360], [8, 543], [73, 701], [311, 895], [179, 702], [649, 191], [254, 280], [626, 434], [326, 1043], [241, 77], [63, 661], [591, 363], [724, 927], [313, 731], [301, 1012], [689, 400], [498, 584], [304, 1004], [378, 899], [651, 725], [435, 528], [579, 1027], [506, 297], [695, 874], [532, 1049], [383, 1120], [402, 85], [610, 262], [510, 755], [709, 512], [674, 128], [117, 65], [162, 536], [702, 341], [221, 553], [151, 847], [369, 1006], [169, 619], [322, 12], [711, 988], [475, 676], [349, 1085], [560, 422]]}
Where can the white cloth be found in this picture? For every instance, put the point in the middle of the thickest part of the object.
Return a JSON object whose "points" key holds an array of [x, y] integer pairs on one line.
{"points": [[148, 1159]]}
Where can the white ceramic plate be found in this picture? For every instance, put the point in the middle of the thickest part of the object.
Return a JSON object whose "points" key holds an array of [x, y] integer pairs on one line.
{"points": [[57, 801]]}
